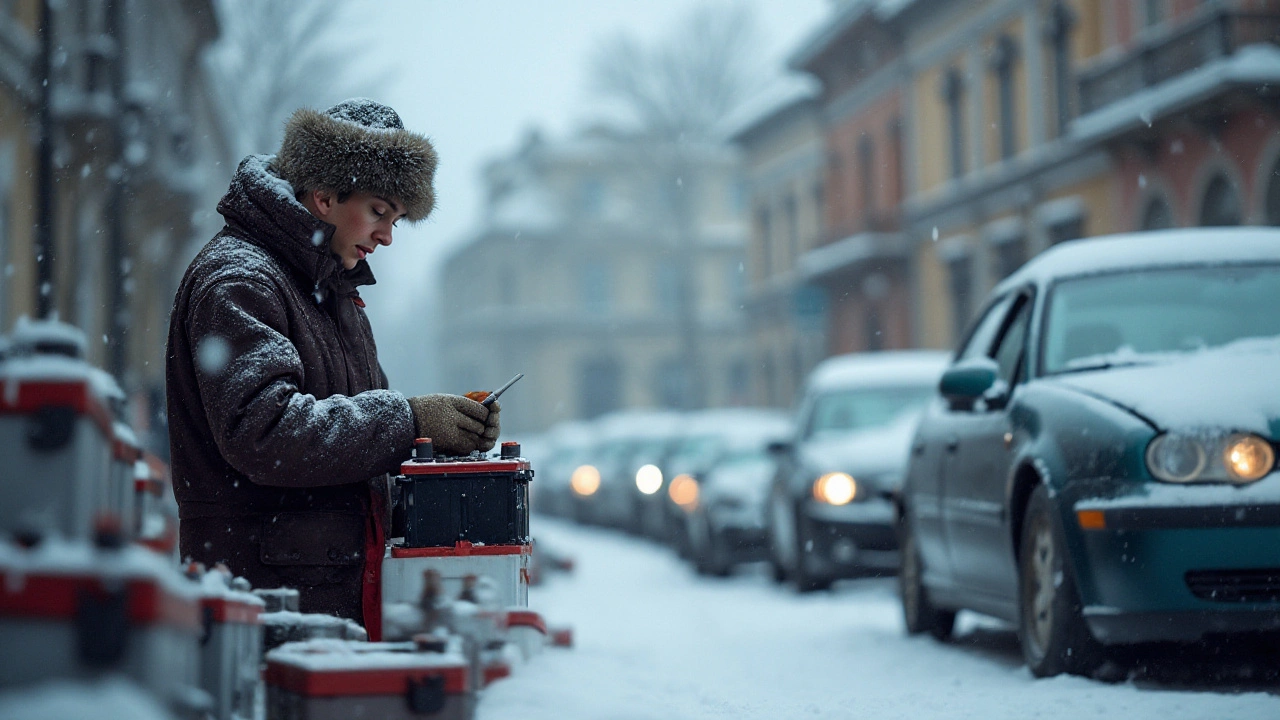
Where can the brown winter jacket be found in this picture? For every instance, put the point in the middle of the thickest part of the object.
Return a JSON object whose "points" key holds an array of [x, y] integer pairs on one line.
{"points": [[280, 420]]}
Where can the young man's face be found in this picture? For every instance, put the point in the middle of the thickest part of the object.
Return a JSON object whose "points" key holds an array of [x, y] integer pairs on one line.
{"points": [[363, 221]]}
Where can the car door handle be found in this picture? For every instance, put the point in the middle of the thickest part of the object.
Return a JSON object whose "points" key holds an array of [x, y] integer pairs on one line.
{"points": [[952, 444]]}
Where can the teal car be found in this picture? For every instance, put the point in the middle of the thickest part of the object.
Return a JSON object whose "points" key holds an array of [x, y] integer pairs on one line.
{"points": [[1099, 465]]}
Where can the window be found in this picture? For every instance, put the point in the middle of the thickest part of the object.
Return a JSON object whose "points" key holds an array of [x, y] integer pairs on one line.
{"points": [[1158, 215], [601, 385], [866, 179], [1153, 12], [1061, 22], [1221, 204], [1010, 255], [737, 283], [738, 384], [953, 93], [594, 281], [670, 383], [983, 335], [1003, 60], [1009, 352], [793, 227], [960, 283], [874, 339], [1064, 230], [763, 229]]}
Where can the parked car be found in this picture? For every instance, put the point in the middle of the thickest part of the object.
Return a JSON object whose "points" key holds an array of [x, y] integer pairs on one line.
{"points": [[646, 469], [710, 436], [726, 525], [567, 446], [832, 501], [1100, 467], [604, 485]]}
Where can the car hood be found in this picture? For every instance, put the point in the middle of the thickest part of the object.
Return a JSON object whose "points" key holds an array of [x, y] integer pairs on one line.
{"points": [[878, 455], [1235, 387]]}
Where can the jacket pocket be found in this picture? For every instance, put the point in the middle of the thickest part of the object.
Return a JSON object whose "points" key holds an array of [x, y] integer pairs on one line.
{"points": [[312, 538]]}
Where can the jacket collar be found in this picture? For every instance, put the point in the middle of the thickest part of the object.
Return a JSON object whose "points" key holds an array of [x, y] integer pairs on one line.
{"points": [[260, 207]]}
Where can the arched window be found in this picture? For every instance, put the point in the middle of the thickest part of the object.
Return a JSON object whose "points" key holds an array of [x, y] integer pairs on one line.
{"points": [[1221, 204], [1158, 215], [1273, 196]]}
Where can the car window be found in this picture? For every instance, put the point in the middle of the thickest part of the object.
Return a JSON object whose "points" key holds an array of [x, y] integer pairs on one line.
{"points": [[1008, 353], [983, 335], [851, 410], [1143, 316]]}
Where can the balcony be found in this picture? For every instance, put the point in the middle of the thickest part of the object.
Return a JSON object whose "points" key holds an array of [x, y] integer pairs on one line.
{"points": [[1215, 34]]}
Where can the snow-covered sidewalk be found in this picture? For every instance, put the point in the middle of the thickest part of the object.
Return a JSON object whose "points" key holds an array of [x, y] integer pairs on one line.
{"points": [[656, 641]]}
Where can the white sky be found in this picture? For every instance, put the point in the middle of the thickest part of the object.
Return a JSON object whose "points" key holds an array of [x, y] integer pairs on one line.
{"points": [[474, 76]]}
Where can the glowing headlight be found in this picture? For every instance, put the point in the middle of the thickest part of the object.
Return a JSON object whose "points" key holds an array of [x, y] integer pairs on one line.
{"points": [[1248, 457], [835, 488], [649, 479], [1176, 458], [684, 491], [585, 481]]}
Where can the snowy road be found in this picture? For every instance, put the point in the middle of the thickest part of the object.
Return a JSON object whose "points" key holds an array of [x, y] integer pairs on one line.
{"points": [[655, 641]]}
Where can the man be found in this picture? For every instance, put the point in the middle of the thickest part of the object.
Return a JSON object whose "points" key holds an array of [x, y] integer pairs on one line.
{"points": [[282, 428]]}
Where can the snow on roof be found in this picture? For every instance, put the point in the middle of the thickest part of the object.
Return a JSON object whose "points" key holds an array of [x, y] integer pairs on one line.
{"points": [[527, 207], [778, 96], [1159, 248], [842, 19], [1250, 65], [879, 368]]}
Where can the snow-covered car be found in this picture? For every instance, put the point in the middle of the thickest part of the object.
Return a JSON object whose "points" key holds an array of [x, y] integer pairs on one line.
{"points": [[604, 485], [566, 447], [832, 502], [726, 526], [1100, 467], [710, 436]]}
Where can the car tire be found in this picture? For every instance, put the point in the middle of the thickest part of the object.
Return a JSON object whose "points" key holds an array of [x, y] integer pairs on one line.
{"points": [[806, 581], [779, 513], [918, 612], [1051, 628]]}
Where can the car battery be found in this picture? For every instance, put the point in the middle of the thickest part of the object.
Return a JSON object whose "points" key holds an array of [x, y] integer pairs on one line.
{"points": [[231, 646], [462, 517], [155, 509], [68, 460], [74, 610], [335, 679], [279, 628]]}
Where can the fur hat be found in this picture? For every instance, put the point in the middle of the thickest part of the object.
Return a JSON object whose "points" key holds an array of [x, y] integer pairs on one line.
{"points": [[359, 145]]}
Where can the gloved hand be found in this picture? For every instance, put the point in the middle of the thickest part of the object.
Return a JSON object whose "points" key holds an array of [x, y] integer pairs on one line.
{"points": [[455, 424], [491, 428]]}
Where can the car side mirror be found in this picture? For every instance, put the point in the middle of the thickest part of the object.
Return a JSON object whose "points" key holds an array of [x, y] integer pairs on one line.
{"points": [[968, 380], [778, 448]]}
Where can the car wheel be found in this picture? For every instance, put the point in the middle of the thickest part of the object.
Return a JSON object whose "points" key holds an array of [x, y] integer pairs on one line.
{"points": [[917, 610], [1051, 629], [805, 580], [781, 538]]}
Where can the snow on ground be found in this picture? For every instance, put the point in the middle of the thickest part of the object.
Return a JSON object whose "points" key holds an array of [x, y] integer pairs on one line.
{"points": [[654, 641]]}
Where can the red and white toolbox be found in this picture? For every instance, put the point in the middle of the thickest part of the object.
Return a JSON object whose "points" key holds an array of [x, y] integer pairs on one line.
{"points": [[231, 646], [341, 680], [68, 459], [75, 610], [462, 517]]}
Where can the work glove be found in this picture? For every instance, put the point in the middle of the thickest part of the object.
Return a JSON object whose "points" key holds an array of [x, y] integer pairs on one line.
{"points": [[455, 424], [491, 428]]}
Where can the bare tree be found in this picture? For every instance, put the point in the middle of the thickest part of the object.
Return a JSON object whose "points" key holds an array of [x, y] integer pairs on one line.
{"points": [[686, 84], [273, 57]]}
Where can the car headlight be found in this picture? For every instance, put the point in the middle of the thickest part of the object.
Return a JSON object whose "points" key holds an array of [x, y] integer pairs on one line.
{"points": [[1183, 458], [649, 479], [585, 480], [835, 488], [1248, 457], [684, 491]]}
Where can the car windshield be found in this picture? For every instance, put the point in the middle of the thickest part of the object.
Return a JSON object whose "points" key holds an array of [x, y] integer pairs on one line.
{"points": [[1139, 317], [846, 411]]}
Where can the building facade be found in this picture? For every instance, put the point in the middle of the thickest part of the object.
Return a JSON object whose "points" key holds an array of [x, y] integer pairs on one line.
{"points": [[784, 158], [593, 252], [137, 162]]}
